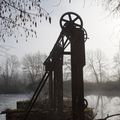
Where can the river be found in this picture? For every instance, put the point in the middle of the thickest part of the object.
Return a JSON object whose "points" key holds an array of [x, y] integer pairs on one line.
{"points": [[102, 105], [8, 101]]}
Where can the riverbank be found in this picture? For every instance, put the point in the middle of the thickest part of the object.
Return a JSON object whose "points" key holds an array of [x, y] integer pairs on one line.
{"points": [[104, 89], [103, 86], [97, 88]]}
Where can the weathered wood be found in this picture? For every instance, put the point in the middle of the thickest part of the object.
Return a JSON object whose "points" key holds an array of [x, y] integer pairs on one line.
{"points": [[67, 53], [58, 83], [74, 33], [51, 90], [77, 63]]}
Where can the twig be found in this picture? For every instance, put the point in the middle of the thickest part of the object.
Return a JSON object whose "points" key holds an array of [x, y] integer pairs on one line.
{"points": [[111, 116], [24, 10], [13, 22]]}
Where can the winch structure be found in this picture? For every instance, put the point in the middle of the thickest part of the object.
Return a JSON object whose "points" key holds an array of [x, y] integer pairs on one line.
{"points": [[72, 34]]}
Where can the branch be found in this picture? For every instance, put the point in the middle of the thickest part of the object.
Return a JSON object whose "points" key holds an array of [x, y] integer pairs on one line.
{"points": [[115, 9], [13, 22], [111, 116], [24, 10]]}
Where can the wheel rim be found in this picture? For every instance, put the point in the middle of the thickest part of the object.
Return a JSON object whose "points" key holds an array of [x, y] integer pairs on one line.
{"points": [[85, 103], [71, 19], [85, 35]]}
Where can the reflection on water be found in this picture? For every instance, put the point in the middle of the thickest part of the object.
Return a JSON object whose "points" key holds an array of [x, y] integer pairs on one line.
{"points": [[104, 106], [8, 101]]}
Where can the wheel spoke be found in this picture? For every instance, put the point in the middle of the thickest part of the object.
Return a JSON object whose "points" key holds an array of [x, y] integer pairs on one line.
{"points": [[75, 19], [65, 20], [69, 17], [77, 25]]}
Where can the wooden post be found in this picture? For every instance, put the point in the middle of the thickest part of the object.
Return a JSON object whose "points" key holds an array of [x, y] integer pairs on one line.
{"points": [[77, 63], [58, 82], [60, 85], [51, 88], [55, 89]]}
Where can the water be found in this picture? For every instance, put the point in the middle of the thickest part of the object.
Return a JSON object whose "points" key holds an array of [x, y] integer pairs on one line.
{"points": [[8, 101], [102, 105]]}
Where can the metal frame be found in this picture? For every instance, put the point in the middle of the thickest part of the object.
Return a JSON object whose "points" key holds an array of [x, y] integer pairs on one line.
{"points": [[72, 34]]}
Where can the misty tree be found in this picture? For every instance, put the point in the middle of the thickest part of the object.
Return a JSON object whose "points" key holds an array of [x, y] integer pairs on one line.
{"points": [[96, 65], [1, 71], [116, 64], [112, 5], [116, 67], [91, 65], [33, 66], [67, 67], [10, 70]]}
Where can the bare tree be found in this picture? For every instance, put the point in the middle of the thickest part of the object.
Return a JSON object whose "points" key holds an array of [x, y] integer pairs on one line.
{"points": [[116, 67], [116, 62], [112, 5], [96, 65], [10, 69], [13, 64], [33, 66], [67, 67], [91, 65], [22, 15]]}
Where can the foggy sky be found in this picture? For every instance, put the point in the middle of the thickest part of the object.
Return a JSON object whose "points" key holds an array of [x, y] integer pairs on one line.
{"points": [[102, 29]]}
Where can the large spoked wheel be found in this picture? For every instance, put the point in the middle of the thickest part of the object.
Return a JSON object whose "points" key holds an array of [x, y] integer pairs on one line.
{"points": [[85, 35], [71, 19], [85, 103]]}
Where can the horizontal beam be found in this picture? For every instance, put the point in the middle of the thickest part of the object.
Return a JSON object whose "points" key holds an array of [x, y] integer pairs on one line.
{"points": [[67, 53]]}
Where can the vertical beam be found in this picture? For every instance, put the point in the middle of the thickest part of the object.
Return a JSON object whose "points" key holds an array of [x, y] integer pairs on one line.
{"points": [[51, 92], [55, 90], [58, 77], [77, 63], [60, 85]]}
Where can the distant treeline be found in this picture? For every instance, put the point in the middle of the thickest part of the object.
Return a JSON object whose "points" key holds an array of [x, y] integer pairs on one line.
{"points": [[107, 88], [89, 87], [18, 88], [23, 76]]}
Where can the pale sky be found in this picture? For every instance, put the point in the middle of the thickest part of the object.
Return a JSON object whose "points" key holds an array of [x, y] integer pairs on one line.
{"points": [[101, 28]]}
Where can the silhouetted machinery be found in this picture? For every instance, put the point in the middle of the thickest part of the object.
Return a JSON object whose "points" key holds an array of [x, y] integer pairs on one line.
{"points": [[72, 34]]}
